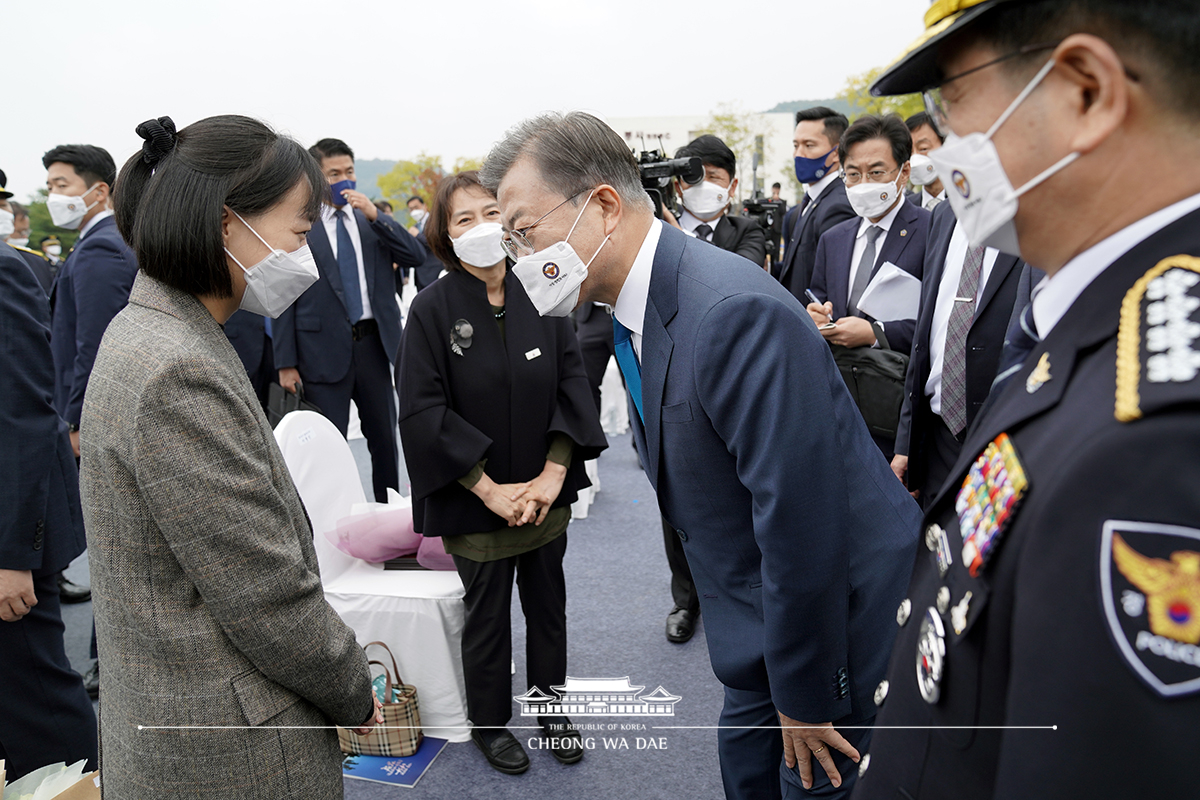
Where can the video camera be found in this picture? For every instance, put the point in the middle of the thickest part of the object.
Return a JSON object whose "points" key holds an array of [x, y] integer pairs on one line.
{"points": [[764, 211], [657, 171]]}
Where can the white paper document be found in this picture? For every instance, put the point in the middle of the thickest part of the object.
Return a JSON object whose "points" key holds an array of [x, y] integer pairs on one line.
{"points": [[892, 294]]}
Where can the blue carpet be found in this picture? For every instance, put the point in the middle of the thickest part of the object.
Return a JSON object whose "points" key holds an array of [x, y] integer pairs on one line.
{"points": [[618, 597]]}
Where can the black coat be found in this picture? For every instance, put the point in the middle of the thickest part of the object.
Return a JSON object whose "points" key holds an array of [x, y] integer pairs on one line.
{"points": [[502, 399], [804, 232], [741, 235], [985, 340], [1061, 627]]}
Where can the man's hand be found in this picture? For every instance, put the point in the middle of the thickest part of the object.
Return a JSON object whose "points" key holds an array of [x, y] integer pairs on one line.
{"points": [[358, 200], [376, 718], [900, 467], [289, 378], [821, 314], [16, 593], [669, 218], [543, 491], [851, 332], [802, 739], [74, 436]]}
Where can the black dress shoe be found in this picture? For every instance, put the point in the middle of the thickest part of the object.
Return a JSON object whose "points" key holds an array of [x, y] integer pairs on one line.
{"points": [[502, 751], [70, 592], [565, 742], [91, 681], [681, 624]]}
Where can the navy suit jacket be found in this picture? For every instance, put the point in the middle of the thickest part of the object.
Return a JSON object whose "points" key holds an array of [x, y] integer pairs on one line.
{"points": [[796, 266], [41, 524], [985, 341], [904, 247], [91, 287], [246, 332], [799, 537], [313, 334]]}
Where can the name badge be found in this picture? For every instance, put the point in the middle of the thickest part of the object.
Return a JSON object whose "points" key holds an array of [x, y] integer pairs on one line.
{"points": [[532, 354]]}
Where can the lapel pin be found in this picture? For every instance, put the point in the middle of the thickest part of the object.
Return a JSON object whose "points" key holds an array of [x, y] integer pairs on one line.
{"points": [[1040, 374], [904, 232], [532, 354], [958, 614]]}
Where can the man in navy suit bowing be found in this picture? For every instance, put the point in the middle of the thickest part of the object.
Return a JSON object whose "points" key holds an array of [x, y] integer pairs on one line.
{"points": [[799, 537], [874, 153], [340, 338]]}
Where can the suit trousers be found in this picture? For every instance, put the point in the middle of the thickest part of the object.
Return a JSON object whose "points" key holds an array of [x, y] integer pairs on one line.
{"points": [[941, 454], [683, 589], [487, 632], [369, 384], [45, 713]]}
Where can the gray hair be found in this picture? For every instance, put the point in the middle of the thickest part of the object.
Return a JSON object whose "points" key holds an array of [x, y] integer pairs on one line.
{"points": [[574, 152]]}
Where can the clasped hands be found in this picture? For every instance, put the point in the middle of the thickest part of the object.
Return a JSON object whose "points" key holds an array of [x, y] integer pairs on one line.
{"points": [[522, 503]]}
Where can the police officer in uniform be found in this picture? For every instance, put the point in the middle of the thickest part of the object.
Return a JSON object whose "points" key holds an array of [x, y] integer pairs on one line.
{"points": [[1049, 643]]}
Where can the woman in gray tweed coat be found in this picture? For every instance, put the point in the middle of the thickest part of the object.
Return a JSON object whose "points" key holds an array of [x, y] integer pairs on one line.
{"points": [[223, 664]]}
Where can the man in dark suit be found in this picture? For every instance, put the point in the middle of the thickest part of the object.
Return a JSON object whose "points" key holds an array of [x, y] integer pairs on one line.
{"points": [[818, 131], [705, 204], [874, 152], [432, 267], [1051, 623], [250, 335], [340, 338], [45, 714], [955, 351], [798, 536]]}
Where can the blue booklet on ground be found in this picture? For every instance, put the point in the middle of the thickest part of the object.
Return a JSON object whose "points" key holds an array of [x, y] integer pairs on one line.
{"points": [[395, 770]]}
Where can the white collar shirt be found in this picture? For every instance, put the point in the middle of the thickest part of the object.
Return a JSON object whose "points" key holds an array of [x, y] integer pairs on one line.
{"points": [[689, 222], [860, 240], [813, 190], [630, 309], [329, 220], [929, 201], [91, 223]]}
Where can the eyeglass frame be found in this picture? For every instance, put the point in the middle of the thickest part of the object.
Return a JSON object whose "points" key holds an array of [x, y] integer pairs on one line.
{"points": [[513, 241], [846, 178]]}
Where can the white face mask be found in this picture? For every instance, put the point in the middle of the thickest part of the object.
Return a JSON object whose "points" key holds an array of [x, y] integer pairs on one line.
{"points": [[54, 249], [19, 242], [274, 283], [923, 170], [552, 277], [872, 200], [417, 214], [977, 186], [7, 222], [66, 211], [706, 199], [481, 246]]}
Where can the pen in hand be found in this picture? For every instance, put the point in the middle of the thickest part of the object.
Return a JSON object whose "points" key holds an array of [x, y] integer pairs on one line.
{"points": [[813, 299]]}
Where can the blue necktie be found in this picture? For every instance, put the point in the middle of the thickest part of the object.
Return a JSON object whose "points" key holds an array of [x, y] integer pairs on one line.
{"points": [[1018, 344], [348, 269], [627, 361]]}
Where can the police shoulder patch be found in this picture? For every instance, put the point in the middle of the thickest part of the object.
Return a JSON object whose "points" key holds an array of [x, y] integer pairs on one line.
{"points": [[1157, 363], [1150, 591]]}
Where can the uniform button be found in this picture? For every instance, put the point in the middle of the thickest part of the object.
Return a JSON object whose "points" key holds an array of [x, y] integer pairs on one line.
{"points": [[682, 536], [903, 612], [862, 765], [943, 599], [881, 692]]}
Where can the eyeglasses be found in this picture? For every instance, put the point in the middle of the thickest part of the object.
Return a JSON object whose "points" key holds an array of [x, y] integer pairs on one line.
{"points": [[874, 176], [935, 105], [516, 242]]}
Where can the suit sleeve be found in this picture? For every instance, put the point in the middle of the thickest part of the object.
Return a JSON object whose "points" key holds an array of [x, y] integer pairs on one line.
{"points": [[432, 434], [753, 244], [283, 341], [102, 287], [28, 444], [820, 280], [759, 391], [404, 248], [205, 474], [904, 428]]}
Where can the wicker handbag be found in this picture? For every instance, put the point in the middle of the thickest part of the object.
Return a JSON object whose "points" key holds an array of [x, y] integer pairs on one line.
{"points": [[400, 734]]}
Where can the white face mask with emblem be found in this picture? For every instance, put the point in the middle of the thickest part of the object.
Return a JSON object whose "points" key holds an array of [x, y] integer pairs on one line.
{"points": [[923, 170], [706, 199], [553, 276], [66, 211]]}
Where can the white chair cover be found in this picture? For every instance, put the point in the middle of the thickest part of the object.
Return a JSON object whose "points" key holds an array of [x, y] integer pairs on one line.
{"points": [[418, 614]]}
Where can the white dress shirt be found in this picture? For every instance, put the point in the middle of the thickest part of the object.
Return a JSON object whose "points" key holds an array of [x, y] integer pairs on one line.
{"points": [[91, 223], [329, 219], [630, 309], [813, 190], [689, 222], [929, 201], [860, 241], [943, 304], [1055, 295]]}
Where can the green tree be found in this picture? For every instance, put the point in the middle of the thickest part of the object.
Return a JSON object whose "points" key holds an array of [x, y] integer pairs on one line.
{"points": [[417, 177], [464, 163], [857, 94], [40, 225], [737, 128]]}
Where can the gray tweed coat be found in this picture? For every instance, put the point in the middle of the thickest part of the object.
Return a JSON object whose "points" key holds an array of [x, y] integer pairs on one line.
{"points": [[207, 597]]}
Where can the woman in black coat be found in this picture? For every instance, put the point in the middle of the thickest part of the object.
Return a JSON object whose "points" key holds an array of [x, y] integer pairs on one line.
{"points": [[496, 420]]}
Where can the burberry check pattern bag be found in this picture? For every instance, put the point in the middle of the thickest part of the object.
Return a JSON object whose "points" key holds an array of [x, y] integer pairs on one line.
{"points": [[400, 734]]}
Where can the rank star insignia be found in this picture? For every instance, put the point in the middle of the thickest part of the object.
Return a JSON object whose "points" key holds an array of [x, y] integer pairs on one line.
{"points": [[1159, 638], [1040, 374]]}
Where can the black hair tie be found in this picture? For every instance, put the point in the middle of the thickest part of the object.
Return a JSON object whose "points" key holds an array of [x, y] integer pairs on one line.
{"points": [[160, 139]]}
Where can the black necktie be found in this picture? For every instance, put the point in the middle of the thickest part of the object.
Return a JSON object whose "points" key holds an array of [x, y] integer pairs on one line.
{"points": [[703, 231], [804, 201]]}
